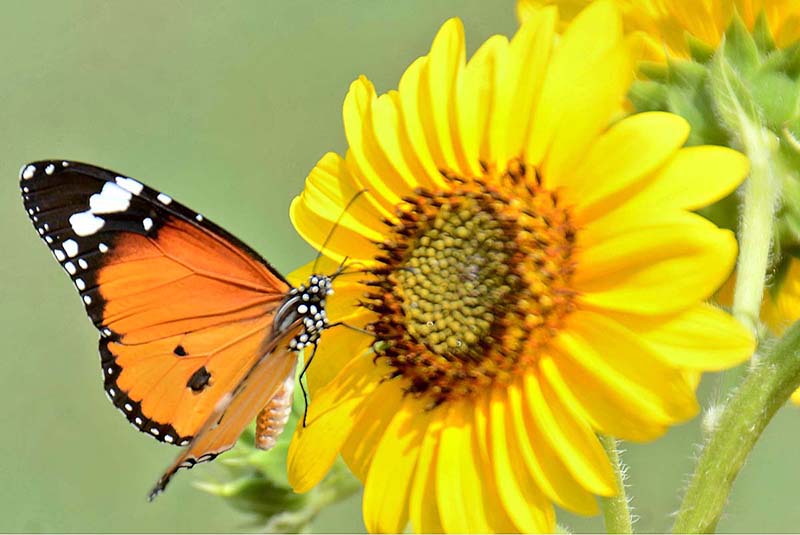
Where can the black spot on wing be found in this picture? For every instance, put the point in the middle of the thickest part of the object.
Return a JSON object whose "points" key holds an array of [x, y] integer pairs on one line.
{"points": [[199, 380]]}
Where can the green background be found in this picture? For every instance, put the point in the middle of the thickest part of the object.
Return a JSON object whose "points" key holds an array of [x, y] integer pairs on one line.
{"points": [[225, 106]]}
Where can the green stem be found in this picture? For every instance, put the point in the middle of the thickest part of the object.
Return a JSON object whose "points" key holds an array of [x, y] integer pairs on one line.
{"points": [[761, 192], [615, 508], [768, 385]]}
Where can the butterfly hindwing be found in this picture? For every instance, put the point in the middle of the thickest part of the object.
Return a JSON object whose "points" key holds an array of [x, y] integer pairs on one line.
{"points": [[183, 307]]}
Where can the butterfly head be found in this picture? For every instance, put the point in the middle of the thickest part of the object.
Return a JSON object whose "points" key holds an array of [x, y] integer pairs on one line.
{"points": [[306, 303]]}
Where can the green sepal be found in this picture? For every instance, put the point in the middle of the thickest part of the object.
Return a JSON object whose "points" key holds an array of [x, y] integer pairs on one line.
{"points": [[646, 95], [254, 494], [739, 47], [699, 51], [653, 70], [687, 95], [762, 35], [732, 99]]}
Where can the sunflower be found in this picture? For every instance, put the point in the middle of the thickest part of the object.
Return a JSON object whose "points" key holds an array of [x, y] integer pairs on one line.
{"points": [[520, 276], [664, 24]]}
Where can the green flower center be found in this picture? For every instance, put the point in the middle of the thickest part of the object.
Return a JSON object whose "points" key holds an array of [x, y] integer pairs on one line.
{"points": [[474, 283]]}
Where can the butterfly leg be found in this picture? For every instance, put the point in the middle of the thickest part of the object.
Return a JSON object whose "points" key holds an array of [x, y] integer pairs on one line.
{"points": [[302, 387]]}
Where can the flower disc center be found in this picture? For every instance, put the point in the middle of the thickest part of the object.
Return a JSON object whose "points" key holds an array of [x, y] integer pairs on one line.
{"points": [[455, 276], [475, 282]]}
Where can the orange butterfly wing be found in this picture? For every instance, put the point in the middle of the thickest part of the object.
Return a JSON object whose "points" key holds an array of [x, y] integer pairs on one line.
{"points": [[184, 308], [238, 408]]}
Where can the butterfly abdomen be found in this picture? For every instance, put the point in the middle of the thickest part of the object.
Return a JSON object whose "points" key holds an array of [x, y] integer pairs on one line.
{"points": [[273, 417]]}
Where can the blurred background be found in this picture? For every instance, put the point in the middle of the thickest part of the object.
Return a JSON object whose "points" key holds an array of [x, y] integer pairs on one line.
{"points": [[225, 106]]}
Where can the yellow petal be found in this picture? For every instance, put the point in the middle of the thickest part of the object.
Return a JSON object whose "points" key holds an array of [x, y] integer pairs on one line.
{"points": [[497, 514], [337, 346], [585, 83], [701, 338], [611, 416], [388, 481], [522, 498], [411, 96], [568, 434], [390, 136], [370, 167], [653, 266], [476, 100], [378, 410], [617, 164], [459, 489], [437, 105], [620, 365], [330, 417], [422, 509], [546, 467], [521, 85], [315, 212], [693, 178]]}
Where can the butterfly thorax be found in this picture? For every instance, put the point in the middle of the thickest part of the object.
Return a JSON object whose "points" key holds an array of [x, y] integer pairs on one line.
{"points": [[305, 303]]}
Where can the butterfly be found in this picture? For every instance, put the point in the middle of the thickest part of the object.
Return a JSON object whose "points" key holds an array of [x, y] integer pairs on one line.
{"points": [[198, 333]]}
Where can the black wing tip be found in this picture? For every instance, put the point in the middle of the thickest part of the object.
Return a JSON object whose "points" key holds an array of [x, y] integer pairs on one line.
{"points": [[158, 488], [31, 169]]}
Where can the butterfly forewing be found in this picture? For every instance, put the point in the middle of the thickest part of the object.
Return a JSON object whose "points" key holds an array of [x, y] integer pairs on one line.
{"points": [[183, 307]]}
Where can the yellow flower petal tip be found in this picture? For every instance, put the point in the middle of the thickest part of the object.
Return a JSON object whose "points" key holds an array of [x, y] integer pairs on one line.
{"points": [[527, 275], [662, 25]]}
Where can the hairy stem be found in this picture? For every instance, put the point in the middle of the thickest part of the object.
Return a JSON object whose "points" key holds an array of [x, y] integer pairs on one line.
{"points": [[616, 513], [767, 386]]}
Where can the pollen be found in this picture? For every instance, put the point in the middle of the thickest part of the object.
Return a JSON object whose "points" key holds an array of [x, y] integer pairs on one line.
{"points": [[473, 283]]}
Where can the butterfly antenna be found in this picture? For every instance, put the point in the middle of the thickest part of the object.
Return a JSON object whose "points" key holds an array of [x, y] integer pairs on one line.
{"points": [[336, 224]]}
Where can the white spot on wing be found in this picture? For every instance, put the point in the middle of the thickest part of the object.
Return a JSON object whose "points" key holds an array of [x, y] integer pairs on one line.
{"points": [[83, 263], [70, 267], [85, 223], [163, 198], [103, 247], [80, 284], [111, 199], [70, 247], [147, 223], [199, 217], [48, 239], [49, 169], [28, 172], [130, 184], [60, 256], [87, 299]]}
